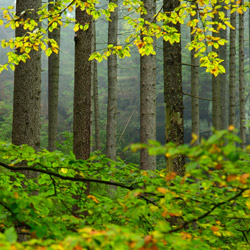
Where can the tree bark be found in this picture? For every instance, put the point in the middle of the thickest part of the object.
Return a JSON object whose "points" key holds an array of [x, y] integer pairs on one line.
{"points": [[96, 95], [112, 87], [232, 70], [195, 90], [82, 88], [53, 85], [223, 78], [242, 80], [148, 95], [27, 87], [216, 90], [173, 94]]}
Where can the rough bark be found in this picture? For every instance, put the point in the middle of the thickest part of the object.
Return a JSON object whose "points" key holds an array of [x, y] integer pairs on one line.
{"points": [[242, 80], [232, 70], [96, 96], [173, 94], [27, 87], [223, 78], [112, 88], [82, 88], [195, 90], [148, 96], [53, 85], [216, 90]]}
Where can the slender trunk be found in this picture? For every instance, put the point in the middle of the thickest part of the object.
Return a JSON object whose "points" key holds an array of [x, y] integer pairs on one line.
{"points": [[96, 96], [216, 90], [82, 88], [173, 94], [112, 87], [148, 95], [53, 82], [242, 80], [195, 90], [27, 87], [223, 78], [232, 70]]}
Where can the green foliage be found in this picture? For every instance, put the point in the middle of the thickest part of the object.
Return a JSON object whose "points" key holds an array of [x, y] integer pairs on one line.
{"points": [[208, 208]]}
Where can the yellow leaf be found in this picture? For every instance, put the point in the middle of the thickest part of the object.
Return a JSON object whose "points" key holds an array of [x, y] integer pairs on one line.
{"points": [[76, 28], [70, 8], [64, 170], [248, 203], [93, 198]]}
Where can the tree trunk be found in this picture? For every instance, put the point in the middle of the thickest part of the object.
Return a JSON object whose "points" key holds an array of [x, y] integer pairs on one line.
{"points": [[223, 78], [27, 87], [96, 96], [82, 88], [216, 91], [112, 87], [242, 80], [173, 95], [195, 90], [53, 83], [232, 70], [148, 96]]}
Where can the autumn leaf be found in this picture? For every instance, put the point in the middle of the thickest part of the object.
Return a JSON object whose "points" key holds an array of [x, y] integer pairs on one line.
{"points": [[170, 176], [93, 198]]}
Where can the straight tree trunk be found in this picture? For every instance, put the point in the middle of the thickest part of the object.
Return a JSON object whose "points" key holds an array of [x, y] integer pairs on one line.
{"points": [[96, 96], [27, 86], [82, 88], [173, 95], [242, 80], [216, 91], [112, 87], [148, 95], [232, 70], [195, 90], [223, 78], [53, 82]]}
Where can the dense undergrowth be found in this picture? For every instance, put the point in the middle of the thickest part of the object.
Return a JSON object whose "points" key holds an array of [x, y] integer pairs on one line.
{"points": [[208, 208]]}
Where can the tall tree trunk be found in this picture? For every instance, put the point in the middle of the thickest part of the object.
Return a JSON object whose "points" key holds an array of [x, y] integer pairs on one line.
{"points": [[96, 96], [112, 87], [223, 78], [148, 95], [216, 90], [232, 70], [242, 80], [27, 87], [82, 93], [195, 90], [53, 84], [173, 95], [82, 88]]}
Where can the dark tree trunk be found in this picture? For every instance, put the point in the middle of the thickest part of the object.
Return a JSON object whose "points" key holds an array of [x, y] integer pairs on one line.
{"points": [[112, 87], [53, 84], [173, 94], [148, 96]]}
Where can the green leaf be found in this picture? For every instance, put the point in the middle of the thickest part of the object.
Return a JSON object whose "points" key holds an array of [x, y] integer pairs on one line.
{"points": [[10, 234]]}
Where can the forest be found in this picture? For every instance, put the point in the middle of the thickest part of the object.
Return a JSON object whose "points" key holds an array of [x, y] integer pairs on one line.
{"points": [[124, 124]]}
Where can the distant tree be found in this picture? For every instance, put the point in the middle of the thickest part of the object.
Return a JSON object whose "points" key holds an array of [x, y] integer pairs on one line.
{"points": [[173, 94], [112, 87], [148, 95], [232, 70], [242, 80], [27, 86], [96, 95], [53, 85], [223, 77], [216, 88], [195, 89], [82, 87]]}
